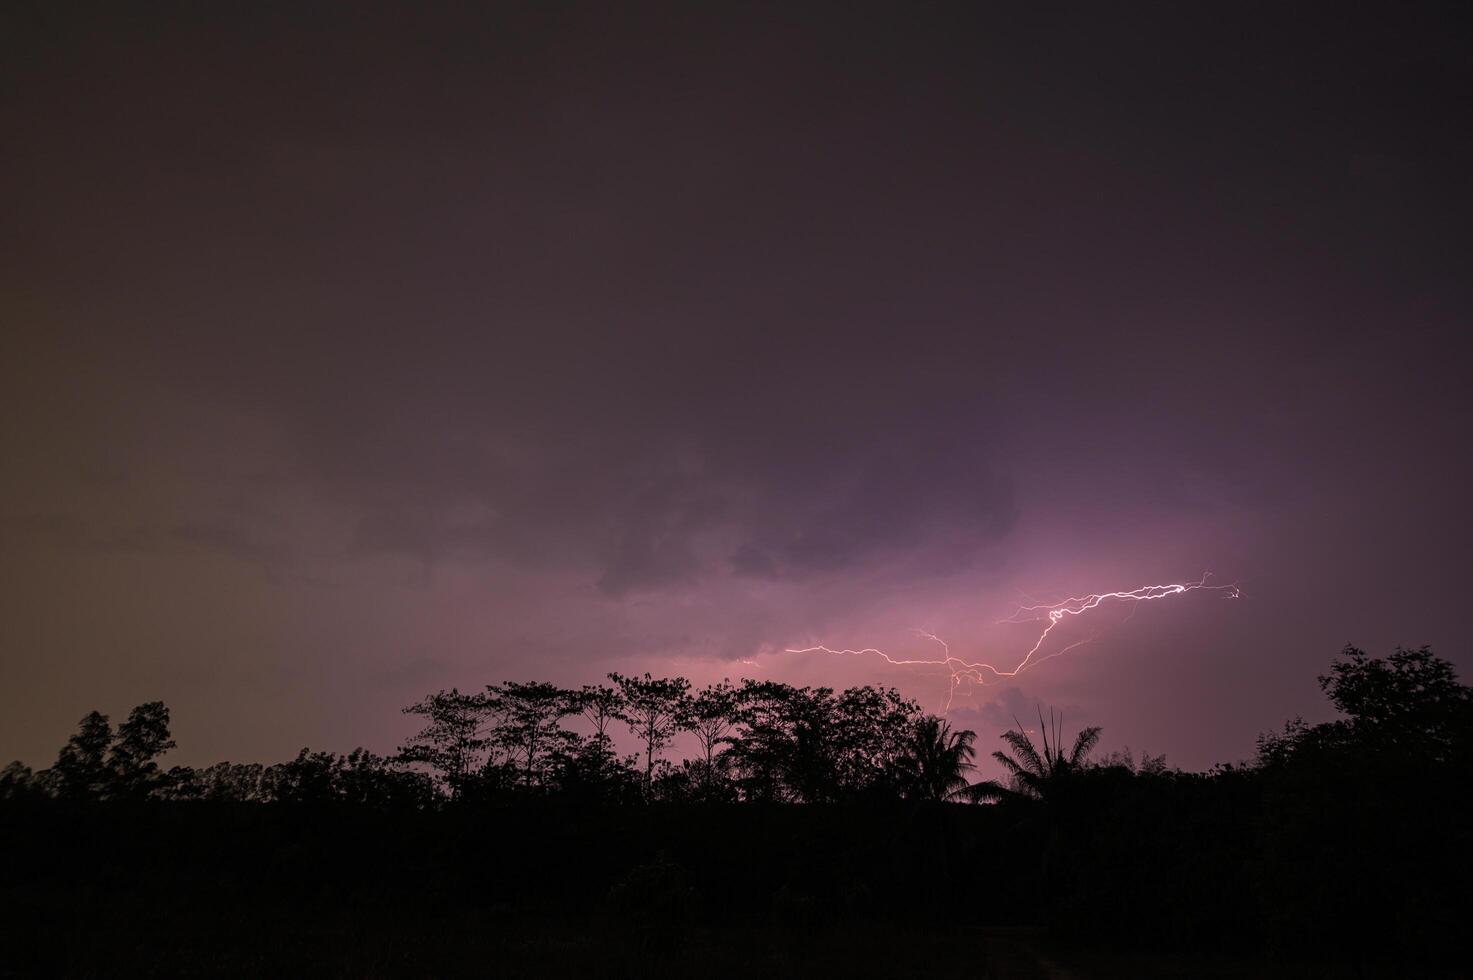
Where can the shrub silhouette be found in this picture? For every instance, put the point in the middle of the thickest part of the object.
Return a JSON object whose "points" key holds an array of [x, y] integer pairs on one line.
{"points": [[655, 898]]}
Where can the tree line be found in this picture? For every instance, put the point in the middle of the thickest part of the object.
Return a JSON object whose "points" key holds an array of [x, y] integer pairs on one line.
{"points": [[1329, 834], [757, 741]]}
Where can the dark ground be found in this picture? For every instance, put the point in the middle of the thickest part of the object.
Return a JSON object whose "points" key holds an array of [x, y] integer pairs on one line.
{"points": [[751, 891]]}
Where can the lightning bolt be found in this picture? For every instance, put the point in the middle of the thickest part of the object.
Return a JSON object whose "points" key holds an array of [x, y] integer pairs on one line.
{"points": [[962, 672]]}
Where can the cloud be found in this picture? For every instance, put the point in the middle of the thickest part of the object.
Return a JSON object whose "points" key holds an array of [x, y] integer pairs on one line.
{"points": [[1004, 709], [655, 536], [752, 561], [658, 494]]}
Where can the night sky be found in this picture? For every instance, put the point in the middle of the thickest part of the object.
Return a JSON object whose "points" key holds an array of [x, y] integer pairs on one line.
{"points": [[349, 354]]}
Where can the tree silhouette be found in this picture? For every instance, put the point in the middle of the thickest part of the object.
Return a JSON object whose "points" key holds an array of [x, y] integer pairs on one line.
{"points": [[712, 717], [1033, 774], [1406, 708], [601, 705], [1401, 757], [17, 780], [938, 759], [528, 726], [224, 781], [782, 752], [452, 739], [654, 709], [802, 744], [1410, 701], [140, 740], [81, 770], [98, 763], [306, 779], [869, 728]]}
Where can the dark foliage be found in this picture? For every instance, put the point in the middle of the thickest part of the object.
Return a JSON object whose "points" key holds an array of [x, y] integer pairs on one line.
{"points": [[809, 826]]}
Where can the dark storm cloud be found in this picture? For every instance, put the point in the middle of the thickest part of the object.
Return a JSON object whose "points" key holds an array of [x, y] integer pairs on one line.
{"points": [[655, 541], [661, 516], [752, 561]]}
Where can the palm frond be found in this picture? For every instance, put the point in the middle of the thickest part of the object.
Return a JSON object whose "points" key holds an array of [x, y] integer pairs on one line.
{"points": [[1026, 752], [1008, 763], [1084, 744]]}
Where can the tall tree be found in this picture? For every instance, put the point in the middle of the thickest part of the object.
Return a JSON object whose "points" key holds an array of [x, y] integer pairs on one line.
{"points": [[140, 741], [802, 744], [528, 726], [762, 751], [81, 769], [654, 709], [786, 750], [602, 706], [871, 730], [453, 738], [588, 768], [713, 717]]}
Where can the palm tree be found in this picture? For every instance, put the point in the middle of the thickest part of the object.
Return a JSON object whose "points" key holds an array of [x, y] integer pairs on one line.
{"points": [[937, 760], [1037, 775]]}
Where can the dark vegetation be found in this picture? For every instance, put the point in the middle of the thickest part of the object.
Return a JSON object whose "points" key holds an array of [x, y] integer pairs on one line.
{"points": [[812, 832]]}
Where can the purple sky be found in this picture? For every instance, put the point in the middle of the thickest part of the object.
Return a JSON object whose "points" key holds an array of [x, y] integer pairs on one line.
{"points": [[351, 356]]}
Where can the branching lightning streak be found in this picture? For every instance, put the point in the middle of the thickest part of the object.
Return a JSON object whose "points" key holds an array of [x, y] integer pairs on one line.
{"points": [[978, 674]]}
